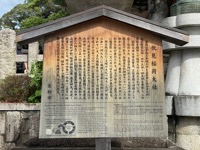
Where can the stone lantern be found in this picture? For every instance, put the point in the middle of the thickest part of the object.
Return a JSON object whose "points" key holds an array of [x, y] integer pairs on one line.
{"points": [[183, 75]]}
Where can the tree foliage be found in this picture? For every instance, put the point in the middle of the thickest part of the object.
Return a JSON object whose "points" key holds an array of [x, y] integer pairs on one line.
{"points": [[36, 82], [32, 13]]}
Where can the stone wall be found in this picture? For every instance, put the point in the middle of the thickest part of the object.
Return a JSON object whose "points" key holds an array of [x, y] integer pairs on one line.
{"points": [[19, 124], [19, 127]]}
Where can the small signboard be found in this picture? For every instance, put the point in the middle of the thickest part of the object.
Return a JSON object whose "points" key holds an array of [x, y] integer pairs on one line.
{"points": [[103, 78]]}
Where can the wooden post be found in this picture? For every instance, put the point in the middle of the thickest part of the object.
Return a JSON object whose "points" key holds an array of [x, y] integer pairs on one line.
{"points": [[103, 144]]}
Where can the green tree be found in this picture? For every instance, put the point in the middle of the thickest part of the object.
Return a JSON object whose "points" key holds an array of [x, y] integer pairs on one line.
{"points": [[14, 18], [32, 13]]}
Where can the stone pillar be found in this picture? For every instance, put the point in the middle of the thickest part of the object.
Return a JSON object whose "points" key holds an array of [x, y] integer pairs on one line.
{"points": [[33, 51], [173, 73], [190, 72], [7, 53]]}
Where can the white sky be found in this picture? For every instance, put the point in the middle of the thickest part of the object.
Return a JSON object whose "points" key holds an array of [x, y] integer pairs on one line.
{"points": [[7, 5]]}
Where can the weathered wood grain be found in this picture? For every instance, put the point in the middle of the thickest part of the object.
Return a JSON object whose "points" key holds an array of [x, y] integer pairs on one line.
{"points": [[119, 68]]}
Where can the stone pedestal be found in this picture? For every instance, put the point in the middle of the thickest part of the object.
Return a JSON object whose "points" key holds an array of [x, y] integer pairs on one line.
{"points": [[183, 80], [184, 64]]}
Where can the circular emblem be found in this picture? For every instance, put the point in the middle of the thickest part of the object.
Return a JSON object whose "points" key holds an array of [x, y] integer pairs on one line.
{"points": [[68, 127]]}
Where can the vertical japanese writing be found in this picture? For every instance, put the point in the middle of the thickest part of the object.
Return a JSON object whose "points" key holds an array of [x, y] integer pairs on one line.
{"points": [[49, 92], [75, 68], [58, 65], [120, 67], [101, 62], [147, 68], [142, 69], [129, 67], [97, 68], [71, 65], [154, 70], [115, 69], [80, 64], [133, 69], [93, 68], [111, 66], [88, 69], [67, 70], [124, 60], [106, 69], [137, 65], [62, 61], [84, 68]]}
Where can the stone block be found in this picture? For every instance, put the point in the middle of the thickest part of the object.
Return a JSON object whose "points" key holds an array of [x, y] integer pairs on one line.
{"points": [[29, 127], [188, 142], [173, 73], [188, 126], [1, 142], [190, 70], [25, 126], [187, 105], [169, 105], [26, 119], [34, 125], [2, 124], [171, 125], [12, 126]]}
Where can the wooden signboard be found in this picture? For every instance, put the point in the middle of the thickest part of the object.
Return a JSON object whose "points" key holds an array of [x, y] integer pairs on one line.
{"points": [[103, 78]]}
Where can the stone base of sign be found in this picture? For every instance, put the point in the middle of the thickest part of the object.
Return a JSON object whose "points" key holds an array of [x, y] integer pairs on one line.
{"points": [[103, 143]]}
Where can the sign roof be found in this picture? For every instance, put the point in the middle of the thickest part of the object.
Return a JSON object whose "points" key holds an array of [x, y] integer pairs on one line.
{"points": [[169, 34]]}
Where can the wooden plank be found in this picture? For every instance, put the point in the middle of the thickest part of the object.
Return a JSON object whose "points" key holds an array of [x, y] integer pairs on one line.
{"points": [[103, 79], [169, 34]]}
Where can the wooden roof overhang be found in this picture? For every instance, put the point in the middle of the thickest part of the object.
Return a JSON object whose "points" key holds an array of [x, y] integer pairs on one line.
{"points": [[168, 34]]}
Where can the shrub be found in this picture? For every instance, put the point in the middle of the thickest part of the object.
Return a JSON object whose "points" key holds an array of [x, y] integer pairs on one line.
{"points": [[36, 82], [15, 89]]}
